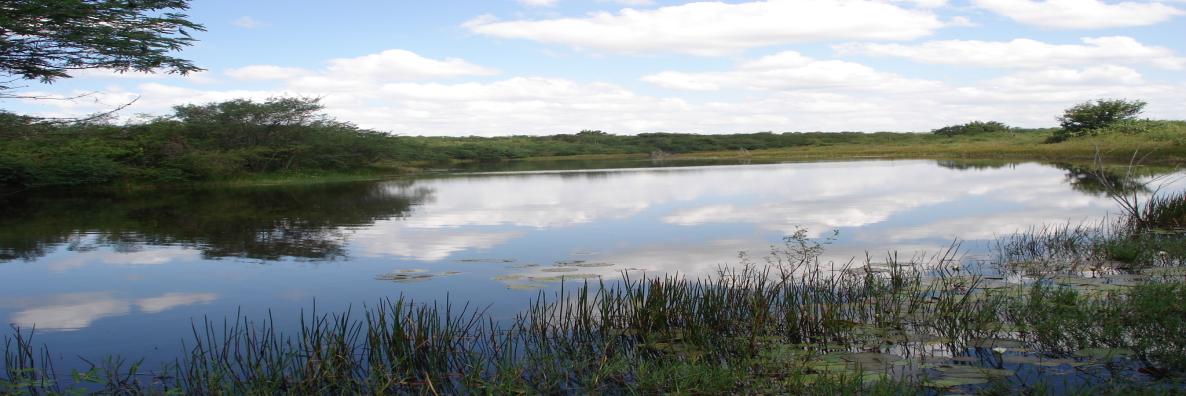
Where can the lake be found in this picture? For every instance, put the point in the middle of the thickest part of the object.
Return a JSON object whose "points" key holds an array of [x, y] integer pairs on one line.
{"points": [[128, 273]]}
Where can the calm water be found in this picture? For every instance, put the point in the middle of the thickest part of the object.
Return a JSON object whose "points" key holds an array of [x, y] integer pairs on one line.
{"points": [[128, 273]]}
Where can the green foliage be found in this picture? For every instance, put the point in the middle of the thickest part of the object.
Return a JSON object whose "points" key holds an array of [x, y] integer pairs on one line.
{"points": [[241, 137], [1092, 116], [973, 128], [199, 142], [47, 39]]}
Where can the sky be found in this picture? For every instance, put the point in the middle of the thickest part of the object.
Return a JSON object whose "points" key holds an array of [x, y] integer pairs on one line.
{"points": [[532, 67]]}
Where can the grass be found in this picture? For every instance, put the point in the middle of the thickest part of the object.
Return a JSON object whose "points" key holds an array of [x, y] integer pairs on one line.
{"points": [[1170, 150]]}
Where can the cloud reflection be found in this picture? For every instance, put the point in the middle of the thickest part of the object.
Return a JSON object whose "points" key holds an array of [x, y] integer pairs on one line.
{"points": [[75, 311], [875, 202]]}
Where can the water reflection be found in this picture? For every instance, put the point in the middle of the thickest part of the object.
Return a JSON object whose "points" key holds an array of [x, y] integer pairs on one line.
{"points": [[74, 311], [307, 222], [178, 252]]}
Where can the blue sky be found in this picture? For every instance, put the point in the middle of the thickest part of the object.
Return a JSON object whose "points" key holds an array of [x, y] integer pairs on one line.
{"points": [[498, 67]]}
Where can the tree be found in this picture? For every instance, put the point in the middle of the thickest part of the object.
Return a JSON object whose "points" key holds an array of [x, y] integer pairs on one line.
{"points": [[972, 128], [1090, 116], [48, 39], [244, 123]]}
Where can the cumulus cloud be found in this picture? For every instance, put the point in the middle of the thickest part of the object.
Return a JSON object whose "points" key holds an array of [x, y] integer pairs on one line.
{"points": [[1094, 75], [1081, 14], [1024, 53], [266, 72], [784, 91], [349, 73], [791, 70], [716, 28]]}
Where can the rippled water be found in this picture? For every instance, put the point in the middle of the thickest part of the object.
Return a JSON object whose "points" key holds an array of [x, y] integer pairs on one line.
{"points": [[127, 273]]}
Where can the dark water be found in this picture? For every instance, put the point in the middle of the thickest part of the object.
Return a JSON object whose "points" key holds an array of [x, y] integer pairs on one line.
{"points": [[127, 273]]}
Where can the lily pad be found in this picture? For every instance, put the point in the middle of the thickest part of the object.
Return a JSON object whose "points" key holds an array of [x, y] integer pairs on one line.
{"points": [[1038, 361], [1103, 353], [559, 278], [594, 265], [404, 277], [871, 361], [959, 375], [525, 286]]}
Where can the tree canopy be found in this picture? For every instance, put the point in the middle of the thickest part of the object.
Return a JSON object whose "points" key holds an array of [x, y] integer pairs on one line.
{"points": [[1100, 113], [48, 39], [972, 128]]}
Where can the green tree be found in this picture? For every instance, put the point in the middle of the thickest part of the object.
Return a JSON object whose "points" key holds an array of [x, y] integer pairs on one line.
{"points": [[48, 39], [244, 123], [972, 128], [1090, 116]]}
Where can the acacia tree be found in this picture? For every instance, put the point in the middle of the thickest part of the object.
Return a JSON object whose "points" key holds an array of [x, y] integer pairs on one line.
{"points": [[48, 39], [1091, 115]]}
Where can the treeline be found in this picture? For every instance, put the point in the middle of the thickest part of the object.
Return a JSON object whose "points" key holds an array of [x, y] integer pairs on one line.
{"points": [[237, 138]]}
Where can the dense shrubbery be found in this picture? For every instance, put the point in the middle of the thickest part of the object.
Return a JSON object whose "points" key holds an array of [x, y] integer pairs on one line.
{"points": [[290, 135], [283, 135], [972, 128], [1093, 117], [199, 142]]}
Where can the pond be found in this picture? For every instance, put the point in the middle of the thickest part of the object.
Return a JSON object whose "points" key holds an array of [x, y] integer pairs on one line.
{"points": [[129, 273]]}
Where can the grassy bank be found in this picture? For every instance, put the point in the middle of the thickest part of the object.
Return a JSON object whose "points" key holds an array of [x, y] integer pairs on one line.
{"points": [[1168, 149], [1057, 310], [289, 140]]}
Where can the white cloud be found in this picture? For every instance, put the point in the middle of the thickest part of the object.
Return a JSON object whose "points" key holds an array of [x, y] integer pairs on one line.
{"points": [[403, 65], [1081, 14], [785, 91], [1094, 75], [538, 3], [1024, 53], [247, 22], [716, 28], [266, 72], [634, 3], [349, 74], [791, 70], [924, 3]]}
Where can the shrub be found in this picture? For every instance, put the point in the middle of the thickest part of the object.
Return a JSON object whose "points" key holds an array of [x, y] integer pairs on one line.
{"points": [[972, 128], [1088, 118]]}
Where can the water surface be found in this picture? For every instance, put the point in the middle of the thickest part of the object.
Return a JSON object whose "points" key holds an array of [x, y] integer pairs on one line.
{"points": [[128, 273]]}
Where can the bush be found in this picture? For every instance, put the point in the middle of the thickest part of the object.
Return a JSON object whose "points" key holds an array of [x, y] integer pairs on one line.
{"points": [[1088, 118], [972, 128]]}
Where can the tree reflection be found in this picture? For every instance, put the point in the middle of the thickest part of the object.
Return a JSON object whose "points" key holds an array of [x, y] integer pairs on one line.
{"points": [[1100, 182], [264, 223]]}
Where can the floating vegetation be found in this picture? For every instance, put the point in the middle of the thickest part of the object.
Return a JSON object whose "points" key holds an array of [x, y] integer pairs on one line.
{"points": [[560, 269], [594, 265], [526, 286], [486, 260], [561, 278], [413, 275]]}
